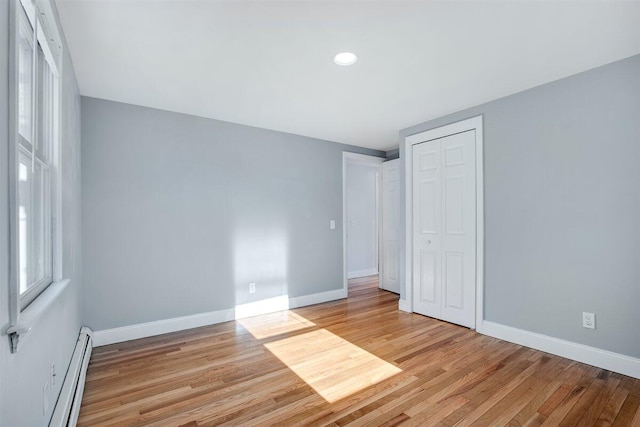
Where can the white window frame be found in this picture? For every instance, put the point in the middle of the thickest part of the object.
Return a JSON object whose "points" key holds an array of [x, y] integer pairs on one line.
{"points": [[27, 308]]}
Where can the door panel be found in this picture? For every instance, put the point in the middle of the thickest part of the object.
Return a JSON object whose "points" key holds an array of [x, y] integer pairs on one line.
{"points": [[428, 277], [428, 161], [444, 200], [428, 206], [454, 206], [454, 280]]}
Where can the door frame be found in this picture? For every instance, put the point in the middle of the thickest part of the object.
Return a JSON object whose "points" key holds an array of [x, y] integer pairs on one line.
{"points": [[365, 159], [473, 123]]}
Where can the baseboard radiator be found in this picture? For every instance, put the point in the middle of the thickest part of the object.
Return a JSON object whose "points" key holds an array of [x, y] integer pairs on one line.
{"points": [[67, 408]]}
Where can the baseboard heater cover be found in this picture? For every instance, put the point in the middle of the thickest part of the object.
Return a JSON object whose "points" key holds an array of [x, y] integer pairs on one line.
{"points": [[67, 408]]}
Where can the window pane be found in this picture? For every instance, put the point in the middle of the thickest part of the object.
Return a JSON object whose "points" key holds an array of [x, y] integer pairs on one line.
{"points": [[45, 107], [25, 66], [34, 245], [40, 215], [24, 214]]}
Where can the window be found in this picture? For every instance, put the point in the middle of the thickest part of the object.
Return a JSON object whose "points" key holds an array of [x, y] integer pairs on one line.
{"points": [[35, 171]]}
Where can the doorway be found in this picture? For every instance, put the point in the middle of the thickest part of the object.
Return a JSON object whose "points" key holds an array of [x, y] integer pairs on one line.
{"points": [[361, 215], [444, 222]]}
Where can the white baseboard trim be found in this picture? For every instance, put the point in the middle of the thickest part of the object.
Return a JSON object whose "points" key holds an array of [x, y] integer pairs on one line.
{"points": [[362, 273], [318, 298], [159, 327], [605, 359], [404, 305], [165, 326]]}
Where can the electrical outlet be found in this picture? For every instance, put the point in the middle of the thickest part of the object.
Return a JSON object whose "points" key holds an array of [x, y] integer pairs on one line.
{"points": [[588, 320], [252, 288], [332, 224], [45, 398], [52, 374]]}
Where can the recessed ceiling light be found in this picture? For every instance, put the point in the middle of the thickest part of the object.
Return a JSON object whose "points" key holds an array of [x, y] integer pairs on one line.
{"points": [[345, 58]]}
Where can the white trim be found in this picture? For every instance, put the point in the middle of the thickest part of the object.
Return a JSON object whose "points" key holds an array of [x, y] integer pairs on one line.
{"points": [[48, 34], [14, 294], [404, 305], [260, 307], [159, 327], [165, 326], [362, 159], [362, 273], [604, 359], [474, 123], [318, 298]]}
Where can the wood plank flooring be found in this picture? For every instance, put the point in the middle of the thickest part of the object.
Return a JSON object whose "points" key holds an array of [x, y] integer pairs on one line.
{"points": [[352, 362]]}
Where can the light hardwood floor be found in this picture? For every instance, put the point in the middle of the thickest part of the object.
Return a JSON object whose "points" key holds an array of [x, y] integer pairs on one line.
{"points": [[352, 362]]}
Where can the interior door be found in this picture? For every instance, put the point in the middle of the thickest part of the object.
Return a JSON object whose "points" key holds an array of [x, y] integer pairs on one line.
{"points": [[427, 210], [390, 226], [444, 228]]}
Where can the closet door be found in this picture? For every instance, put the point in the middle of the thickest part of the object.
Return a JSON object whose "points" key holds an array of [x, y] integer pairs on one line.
{"points": [[427, 226], [444, 231]]}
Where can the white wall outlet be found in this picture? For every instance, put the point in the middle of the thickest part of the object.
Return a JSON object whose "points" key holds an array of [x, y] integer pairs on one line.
{"points": [[588, 320], [332, 224], [45, 398], [252, 288], [52, 374]]}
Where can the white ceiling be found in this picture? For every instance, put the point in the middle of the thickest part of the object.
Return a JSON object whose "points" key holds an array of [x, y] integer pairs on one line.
{"points": [[269, 63]]}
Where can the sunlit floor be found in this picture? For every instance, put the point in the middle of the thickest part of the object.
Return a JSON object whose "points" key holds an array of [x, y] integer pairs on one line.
{"points": [[357, 361]]}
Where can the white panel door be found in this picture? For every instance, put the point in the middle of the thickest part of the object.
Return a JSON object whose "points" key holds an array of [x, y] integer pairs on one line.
{"points": [[390, 226], [459, 233], [427, 212], [444, 217]]}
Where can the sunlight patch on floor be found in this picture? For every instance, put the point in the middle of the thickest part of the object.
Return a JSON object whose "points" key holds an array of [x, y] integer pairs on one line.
{"points": [[332, 366], [273, 324]]}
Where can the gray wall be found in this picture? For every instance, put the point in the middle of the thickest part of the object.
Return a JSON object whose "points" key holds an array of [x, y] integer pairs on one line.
{"points": [[562, 203], [180, 213], [22, 375]]}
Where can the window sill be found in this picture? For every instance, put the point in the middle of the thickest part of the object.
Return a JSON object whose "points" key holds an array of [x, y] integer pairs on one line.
{"points": [[30, 315]]}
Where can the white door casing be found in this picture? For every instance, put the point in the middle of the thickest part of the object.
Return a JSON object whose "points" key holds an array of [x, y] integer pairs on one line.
{"points": [[444, 211], [390, 265]]}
